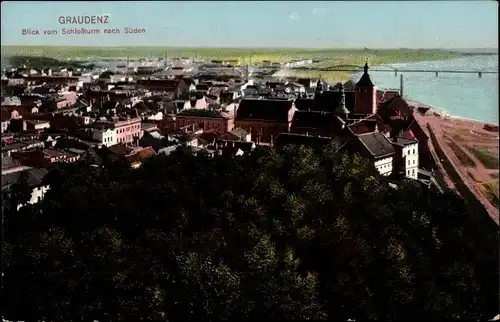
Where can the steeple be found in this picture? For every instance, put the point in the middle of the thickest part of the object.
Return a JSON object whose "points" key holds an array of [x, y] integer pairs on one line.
{"points": [[365, 80], [341, 110]]}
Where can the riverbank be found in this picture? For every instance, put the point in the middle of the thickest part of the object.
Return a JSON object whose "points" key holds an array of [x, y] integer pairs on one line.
{"points": [[471, 150]]}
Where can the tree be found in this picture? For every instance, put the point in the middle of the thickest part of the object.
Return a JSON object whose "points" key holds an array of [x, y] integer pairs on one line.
{"points": [[20, 191], [289, 234]]}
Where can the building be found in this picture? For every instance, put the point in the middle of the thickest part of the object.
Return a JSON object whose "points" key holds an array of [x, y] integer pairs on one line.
{"points": [[365, 94], [265, 119], [196, 101], [37, 125], [118, 130], [406, 158], [361, 101], [20, 146], [5, 122], [43, 157], [395, 106], [377, 148], [34, 178], [128, 130], [209, 119], [105, 134], [175, 86], [136, 157], [237, 134], [33, 80], [307, 82], [314, 123]]}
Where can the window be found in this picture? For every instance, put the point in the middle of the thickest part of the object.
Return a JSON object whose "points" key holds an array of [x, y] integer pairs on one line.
{"points": [[413, 151], [413, 161], [413, 172]]}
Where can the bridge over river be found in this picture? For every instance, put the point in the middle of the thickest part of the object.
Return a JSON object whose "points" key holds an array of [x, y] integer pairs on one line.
{"points": [[388, 69]]}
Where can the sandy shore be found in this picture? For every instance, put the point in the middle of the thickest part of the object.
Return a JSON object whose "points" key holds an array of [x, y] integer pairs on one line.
{"points": [[460, 139]]}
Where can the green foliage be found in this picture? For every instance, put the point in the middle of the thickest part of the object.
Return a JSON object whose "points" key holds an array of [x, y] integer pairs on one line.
{"points": [[288, 234], [329, 56], [491, 191], [487, 158], [43, 62]]}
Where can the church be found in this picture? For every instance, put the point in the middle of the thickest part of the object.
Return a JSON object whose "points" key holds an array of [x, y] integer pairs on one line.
{"points": [[360, 100], [331, 110]]}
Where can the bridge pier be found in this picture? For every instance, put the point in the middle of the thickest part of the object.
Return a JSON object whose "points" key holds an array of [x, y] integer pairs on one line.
{"points": [[437, 74], [479, 74]]}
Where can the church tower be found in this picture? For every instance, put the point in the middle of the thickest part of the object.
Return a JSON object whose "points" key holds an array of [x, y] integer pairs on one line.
{"points": [[365, 94], [341, 110]]}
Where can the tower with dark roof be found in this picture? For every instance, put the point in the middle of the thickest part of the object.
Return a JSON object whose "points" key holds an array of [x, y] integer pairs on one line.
{"points": [[341, 110], [365, 94]]}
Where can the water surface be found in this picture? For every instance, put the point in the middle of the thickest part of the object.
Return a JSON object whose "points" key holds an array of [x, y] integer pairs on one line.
{"points": [[459, 95]]}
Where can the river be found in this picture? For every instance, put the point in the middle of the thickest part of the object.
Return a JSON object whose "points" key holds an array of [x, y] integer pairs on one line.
{"points": [[459, 95]]}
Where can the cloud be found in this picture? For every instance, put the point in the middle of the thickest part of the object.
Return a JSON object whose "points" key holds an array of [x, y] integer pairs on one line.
{"points": [[294, 16], [319, 11]]}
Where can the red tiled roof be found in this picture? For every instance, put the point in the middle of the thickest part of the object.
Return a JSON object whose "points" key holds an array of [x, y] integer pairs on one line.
{"points": [[228, 136], [398, 103], [359, 128], [119, 149], [141, 155], [382, 126], [209, 135], [407, 134]]}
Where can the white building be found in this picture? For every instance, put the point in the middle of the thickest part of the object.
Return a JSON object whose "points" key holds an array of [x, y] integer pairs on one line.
{"points": [[378, 148], [156, 116], [105, 135], [199, 103], [5, 125], [409, 157], [384, 165], [389, 154], [37, 195], [11, 101]]}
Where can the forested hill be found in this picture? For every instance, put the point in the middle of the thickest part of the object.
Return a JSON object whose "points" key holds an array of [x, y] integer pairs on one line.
{"points": [[281, 235]]}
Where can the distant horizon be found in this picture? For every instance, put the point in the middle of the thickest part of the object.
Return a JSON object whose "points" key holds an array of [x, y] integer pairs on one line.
{"points": [[264, 47]]}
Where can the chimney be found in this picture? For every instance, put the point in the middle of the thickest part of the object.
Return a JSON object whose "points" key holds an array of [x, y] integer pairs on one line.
{"points": [[401, 85]]}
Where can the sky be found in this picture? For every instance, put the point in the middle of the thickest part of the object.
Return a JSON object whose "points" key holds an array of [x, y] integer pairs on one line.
{"points": [[304, 24]]}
